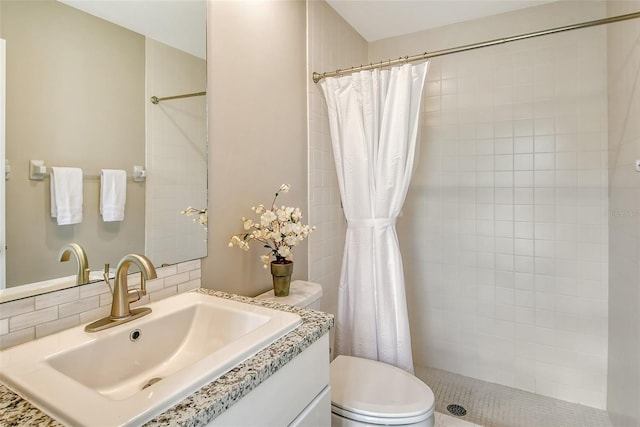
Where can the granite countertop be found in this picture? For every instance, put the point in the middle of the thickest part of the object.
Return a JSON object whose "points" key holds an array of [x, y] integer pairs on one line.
{"points": [[214, 398]]}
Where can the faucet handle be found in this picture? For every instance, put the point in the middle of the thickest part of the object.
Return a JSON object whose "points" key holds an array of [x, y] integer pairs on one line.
{"points": [[134, 295], [143, 285], [105, 276]]}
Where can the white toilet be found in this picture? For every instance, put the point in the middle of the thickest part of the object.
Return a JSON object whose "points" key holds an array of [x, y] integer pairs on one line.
{"points": [[366, 392]]}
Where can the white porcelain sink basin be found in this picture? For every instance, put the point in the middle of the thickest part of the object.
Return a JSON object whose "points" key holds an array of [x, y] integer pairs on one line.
{"points": [[128, 374]]}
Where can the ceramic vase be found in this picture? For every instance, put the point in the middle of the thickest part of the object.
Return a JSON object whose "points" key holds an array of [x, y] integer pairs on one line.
{"points": [[281, 273]]}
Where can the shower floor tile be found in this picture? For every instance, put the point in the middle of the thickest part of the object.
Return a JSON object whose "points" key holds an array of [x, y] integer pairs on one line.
{"points": [[494, 405], [443, 420]]}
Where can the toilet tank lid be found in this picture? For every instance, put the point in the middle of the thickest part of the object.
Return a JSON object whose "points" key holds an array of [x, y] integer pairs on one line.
{"points": [[301, 294], [375, 389]]}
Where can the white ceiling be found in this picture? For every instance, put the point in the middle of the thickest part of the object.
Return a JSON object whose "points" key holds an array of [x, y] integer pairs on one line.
{"points": [[380, 19], [178, 23], [182, 23]]}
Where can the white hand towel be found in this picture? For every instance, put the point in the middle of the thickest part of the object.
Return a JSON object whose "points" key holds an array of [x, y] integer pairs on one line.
{"points": [[66, 195], [113, 194]]}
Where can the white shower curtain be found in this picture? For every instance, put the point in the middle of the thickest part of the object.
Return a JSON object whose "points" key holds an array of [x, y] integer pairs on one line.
{"points": [[373, 116]]}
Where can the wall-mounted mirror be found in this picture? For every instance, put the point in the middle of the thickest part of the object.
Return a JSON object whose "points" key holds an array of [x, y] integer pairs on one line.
{"points": [[78, 95]]}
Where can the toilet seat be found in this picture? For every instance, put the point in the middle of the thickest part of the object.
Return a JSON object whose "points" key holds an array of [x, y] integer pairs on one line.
{"points": [[379, 420], [377, 393]]}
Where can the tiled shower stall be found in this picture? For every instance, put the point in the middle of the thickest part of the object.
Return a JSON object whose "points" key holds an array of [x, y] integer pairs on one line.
{"points": [[505, 233]]}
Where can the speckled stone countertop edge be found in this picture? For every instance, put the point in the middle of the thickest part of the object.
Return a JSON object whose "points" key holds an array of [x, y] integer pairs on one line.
{"points": [[204, 405]]}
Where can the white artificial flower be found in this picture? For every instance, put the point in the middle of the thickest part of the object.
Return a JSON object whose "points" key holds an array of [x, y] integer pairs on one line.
{"points": [[275, 236], [278, 229], [235, 241], [282, 215], [291, 240], [284, 188], [266, 259], [202, 217], [267, 218], [284, 251], [296, 215]]}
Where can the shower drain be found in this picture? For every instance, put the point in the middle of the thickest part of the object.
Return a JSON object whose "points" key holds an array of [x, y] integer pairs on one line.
{"points": [[457, 410]]}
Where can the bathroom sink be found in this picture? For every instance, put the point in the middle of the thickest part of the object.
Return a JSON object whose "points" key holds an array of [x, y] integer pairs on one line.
{"points": [[132, 372]]}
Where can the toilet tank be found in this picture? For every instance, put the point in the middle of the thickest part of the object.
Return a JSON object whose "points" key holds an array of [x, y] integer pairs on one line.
{"points": [[301, 294]]}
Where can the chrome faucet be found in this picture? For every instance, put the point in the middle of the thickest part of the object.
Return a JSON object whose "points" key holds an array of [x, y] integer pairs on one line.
{"points": [[123, 296], [82, 275]]}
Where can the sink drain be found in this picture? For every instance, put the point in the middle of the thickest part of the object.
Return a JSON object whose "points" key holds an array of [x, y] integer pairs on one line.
{"points": [[457, 410], [151, 382], [135, 335]]}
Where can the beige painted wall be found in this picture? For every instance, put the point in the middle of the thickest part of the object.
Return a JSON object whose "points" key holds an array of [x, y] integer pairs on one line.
{"points": [[75, 97], [624, 217], [257, 130]]}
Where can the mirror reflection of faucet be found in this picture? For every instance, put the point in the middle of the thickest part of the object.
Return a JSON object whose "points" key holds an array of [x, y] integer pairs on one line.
{"points": [[82, 262], [121, 312], [84, 274], [99, 275]]}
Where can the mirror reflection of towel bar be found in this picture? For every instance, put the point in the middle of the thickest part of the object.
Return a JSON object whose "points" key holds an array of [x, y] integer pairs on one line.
{"points": [[38, 172], [155, 99]]}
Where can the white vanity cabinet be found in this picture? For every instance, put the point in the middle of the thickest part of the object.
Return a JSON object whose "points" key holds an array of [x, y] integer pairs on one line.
{"points": [[297, 395]]}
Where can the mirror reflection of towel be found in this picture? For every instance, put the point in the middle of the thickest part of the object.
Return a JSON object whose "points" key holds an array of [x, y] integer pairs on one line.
{"points": [[66, 195], [113, 194]]}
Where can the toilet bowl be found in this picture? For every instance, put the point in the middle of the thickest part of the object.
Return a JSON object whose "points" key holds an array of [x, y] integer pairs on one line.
{"points": [[366, 392]]}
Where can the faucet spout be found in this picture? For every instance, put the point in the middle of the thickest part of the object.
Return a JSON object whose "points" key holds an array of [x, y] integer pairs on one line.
{"points": [[82, 275], [121, 294]]}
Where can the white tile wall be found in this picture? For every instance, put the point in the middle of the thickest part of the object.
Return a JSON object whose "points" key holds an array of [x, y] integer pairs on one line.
{"points": [[624, 217], [332, 44], [504, 233], [38, 316]]}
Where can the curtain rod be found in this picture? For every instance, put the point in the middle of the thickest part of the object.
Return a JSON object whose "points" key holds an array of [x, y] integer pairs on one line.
{"points": [[420, 57], [155, 99]]}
